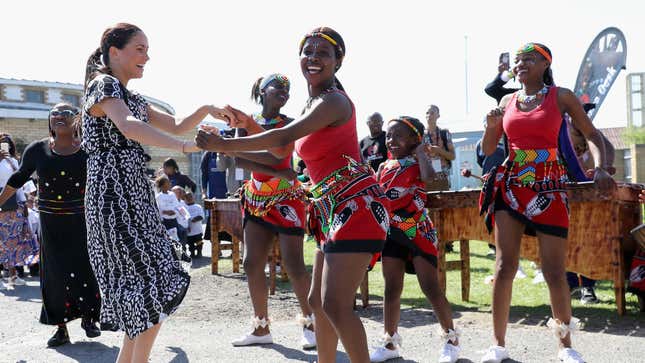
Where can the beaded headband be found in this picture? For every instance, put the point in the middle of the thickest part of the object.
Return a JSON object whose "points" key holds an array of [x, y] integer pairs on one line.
{"points": [[532, 47], [277, 77], [406, 121], [324, 36]]}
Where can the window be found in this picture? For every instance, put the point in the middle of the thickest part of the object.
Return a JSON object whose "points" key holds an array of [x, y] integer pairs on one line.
{"points": [[636, 101], [637, 118], [627, 157], [636, 82], [74, 100], [35, 96]]}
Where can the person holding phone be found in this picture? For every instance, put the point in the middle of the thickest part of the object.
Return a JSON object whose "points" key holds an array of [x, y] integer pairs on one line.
{"points": [[496, 87], [18, 246], [141, 278], [69, 288]]}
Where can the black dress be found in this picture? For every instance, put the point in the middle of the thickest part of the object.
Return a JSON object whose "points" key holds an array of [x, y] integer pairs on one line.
{"points": [[67, 281], [141, 280]]}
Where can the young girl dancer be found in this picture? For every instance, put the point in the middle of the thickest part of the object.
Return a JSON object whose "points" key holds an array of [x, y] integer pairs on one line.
{"points": [[527, 193], [411, 241], [347, 212], [272, 205]]}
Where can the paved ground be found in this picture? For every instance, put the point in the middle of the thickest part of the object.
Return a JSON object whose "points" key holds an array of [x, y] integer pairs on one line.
{"points": [[216, 310]]}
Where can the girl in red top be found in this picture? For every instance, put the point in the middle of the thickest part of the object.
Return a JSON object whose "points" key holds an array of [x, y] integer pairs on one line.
{"points": [[412, 241], [273, 203], [347, 214], [527, 193]]}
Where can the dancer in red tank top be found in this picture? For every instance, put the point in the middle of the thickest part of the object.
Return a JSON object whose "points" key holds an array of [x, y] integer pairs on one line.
{"points": [[273, 203], [527, 193], [348, 211]]}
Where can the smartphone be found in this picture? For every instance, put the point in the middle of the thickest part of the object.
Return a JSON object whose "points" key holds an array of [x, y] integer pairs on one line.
{"points": [[4, 146], [505, 58]]}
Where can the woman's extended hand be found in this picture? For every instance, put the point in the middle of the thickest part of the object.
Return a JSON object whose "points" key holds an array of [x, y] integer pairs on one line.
{"points": [[222, 114], [209, 141], [240, 119]]}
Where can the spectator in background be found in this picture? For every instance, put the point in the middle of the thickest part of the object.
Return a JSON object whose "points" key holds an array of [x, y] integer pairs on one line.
{"points": [[196, 217], [171, 169], [373, 149], [440, 150], [182, 215], [18, 247], [496, 88]]}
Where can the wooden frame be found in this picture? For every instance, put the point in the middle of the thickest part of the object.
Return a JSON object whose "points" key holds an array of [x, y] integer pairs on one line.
{"points": [[599, 241]]}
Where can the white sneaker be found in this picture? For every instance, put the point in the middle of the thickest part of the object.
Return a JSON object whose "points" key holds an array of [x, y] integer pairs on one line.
{"points": [[568, 355], [381, 354], [539, 277], [449, 353], [495, 354], [308, 340], [251, 339], [520, 274], [3, 286], [17, 281]]}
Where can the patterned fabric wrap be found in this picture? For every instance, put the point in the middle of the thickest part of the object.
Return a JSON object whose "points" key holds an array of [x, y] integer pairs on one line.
{"points": [[135, 261], [18, 246], [531, 185], [637, 273], [276, 203], [348, 211], [410, 225]]}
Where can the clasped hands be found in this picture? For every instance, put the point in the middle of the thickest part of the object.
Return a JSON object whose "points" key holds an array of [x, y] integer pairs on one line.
{"points": [[208, 137]]}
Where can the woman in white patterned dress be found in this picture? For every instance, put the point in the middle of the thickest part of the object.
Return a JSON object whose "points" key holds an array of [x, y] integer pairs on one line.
{"points": [[140, 278]]}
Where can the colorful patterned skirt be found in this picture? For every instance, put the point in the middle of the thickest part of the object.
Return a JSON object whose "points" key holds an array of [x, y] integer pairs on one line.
{"points": [[348, 211], [18, 246], [411, 235], [530, 186], [276, 204]]}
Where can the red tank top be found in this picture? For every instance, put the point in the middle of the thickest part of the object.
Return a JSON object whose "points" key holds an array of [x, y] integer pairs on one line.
{"points": [[323, 150], [284, 164], [535, 129]]}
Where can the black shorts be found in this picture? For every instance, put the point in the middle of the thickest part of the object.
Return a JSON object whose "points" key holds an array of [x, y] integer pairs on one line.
{"points": [[394, 249], [194, 239]]}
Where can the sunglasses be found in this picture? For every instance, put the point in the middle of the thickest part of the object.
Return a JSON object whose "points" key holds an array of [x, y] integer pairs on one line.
{"points": [[531, 47], [63, 113]]}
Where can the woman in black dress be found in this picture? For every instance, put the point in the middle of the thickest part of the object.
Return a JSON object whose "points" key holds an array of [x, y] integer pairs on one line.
{"points": [[141, 280], [67, 282]]}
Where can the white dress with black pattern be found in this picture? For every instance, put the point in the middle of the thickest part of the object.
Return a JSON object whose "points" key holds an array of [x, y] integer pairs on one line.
{"points": [[140, 279]]}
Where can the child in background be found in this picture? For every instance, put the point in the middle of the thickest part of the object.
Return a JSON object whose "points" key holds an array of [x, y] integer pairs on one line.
{"points": [[196, 217], [411, 240], [167, 204], [182, 216]]}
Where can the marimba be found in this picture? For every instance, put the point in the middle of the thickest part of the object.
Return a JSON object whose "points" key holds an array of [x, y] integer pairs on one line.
{"points": [[599, 242]]}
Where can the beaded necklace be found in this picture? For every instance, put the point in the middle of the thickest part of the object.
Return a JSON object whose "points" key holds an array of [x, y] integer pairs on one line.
{"points": [[322, 93], [270, 122], [529, 100]]}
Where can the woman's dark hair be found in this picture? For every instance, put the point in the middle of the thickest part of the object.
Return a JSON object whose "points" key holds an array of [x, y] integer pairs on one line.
{"points": [[116, 36], [256, 91], [12, 147], [547, 77], [339, 47], [171, 163]]}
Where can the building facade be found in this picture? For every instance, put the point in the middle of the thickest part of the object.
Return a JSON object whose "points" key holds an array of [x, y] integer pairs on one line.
{"points": [[24, 111]]}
